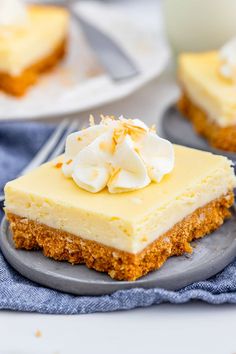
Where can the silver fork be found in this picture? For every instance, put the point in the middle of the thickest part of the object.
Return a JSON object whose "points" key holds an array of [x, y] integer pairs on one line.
{"points": [[53, 147]]}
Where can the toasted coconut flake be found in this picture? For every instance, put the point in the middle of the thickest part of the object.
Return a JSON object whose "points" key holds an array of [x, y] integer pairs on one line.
{"points": [[107, 146], [114, 174], [103, 118], [91, 120], [153, 128], [68, 162], [58, 165], [106, 119], [119, 134], [134, 131]]}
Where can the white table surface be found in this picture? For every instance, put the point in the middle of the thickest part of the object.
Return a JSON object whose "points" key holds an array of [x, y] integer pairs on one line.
{"points": [[164, 329], [174, 329]]}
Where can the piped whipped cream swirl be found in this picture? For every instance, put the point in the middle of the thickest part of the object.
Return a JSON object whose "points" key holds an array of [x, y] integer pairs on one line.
{"points": [[12, 12], [228, 60], [122, 154]]}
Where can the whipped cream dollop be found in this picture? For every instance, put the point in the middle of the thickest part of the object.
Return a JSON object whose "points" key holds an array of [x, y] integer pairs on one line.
{"points": [[122, 154], [12, 12], [228, 60]]}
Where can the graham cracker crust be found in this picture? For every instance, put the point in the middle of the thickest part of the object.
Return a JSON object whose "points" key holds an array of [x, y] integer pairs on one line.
{"points": [[120, 265], [18, 85], [220, 137]]}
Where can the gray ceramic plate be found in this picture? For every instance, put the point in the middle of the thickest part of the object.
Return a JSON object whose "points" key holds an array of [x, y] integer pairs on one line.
{"points": [[211, 254], [180, 131]]}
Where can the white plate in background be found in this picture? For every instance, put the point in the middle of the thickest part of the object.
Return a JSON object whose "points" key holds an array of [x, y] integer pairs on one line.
{"points": [[79, 84]]}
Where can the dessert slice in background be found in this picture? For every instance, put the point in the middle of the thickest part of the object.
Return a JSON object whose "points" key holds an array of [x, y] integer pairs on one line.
{"points": [[121, 200], [209, 94], [32, 40]]}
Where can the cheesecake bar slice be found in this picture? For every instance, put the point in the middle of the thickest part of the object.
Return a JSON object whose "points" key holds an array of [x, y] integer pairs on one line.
{"points": [[125, 234], [31, 48], [208, 98]]}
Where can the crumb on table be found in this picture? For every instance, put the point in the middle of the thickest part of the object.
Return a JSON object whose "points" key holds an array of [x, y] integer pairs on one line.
{"points": [[38, 333]]}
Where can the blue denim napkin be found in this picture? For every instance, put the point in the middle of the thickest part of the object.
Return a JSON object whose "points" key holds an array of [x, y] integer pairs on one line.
{"points": [[18, 144]]}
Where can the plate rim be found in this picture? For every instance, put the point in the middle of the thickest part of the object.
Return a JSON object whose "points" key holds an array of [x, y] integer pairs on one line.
{"points": [[172, 109], [120, 90]]}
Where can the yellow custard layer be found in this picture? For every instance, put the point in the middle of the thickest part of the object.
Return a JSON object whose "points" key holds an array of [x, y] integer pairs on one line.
{"points": [[24, 45], [127, 221], [199, 75]]}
